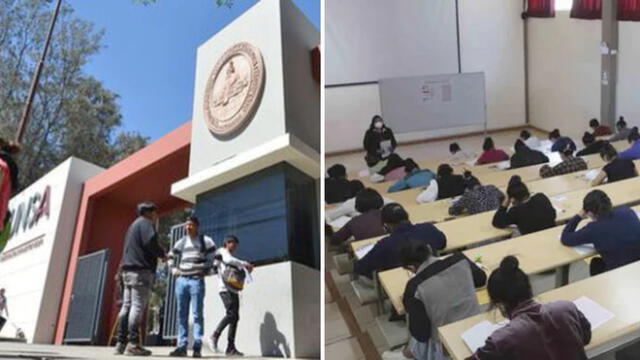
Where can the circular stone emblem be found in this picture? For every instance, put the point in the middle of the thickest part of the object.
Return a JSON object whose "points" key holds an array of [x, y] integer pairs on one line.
{"points": [[234, 89]]}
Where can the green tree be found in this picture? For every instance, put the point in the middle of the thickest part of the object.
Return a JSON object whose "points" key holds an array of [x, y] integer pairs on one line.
{"points": [[73, 113]]}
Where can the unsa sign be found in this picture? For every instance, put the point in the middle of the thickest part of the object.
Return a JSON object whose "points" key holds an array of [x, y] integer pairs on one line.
{"points": [[28, 213]]}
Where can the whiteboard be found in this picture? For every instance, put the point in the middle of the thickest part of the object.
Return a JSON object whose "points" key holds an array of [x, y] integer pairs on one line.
{"points": [[422, 103], [367, 40]]}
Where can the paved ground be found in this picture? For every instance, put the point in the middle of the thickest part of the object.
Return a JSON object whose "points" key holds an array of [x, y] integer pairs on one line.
{"points": [[9, 350]]}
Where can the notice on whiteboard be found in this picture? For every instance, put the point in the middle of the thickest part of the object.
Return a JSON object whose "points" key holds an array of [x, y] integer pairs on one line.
{"points": [[437, 91]]}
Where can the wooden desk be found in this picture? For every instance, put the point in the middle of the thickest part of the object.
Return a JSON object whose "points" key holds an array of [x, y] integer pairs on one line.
{"points": [[615, 290]]}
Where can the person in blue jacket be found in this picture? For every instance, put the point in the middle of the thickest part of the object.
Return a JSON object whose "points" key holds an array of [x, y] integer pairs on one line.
{"points": [[615, 233], [385, 255], [415, 177], [632, 153], [560, 142]]}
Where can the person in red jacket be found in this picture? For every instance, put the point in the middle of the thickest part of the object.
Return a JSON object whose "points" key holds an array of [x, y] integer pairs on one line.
{"points": [[491, 154], [8, 177], [599, 130]]}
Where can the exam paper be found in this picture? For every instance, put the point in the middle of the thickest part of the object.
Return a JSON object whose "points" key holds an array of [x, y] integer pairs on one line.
{"points": [[364, 173], [340, 222], [591, 174], [503, 165], [363, 251], [477, 335], [595, 314], [585, 250]]}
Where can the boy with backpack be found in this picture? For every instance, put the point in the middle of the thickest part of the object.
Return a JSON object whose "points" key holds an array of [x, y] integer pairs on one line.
{"points": [[190, 260], [231, 273]]}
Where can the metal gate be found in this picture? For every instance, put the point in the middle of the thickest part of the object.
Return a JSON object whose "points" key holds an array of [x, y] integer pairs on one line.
{"points": [[85, 309], [170, 323]]}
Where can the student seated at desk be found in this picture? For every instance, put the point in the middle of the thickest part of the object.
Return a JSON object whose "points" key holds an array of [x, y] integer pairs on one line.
{"points": [[599, 130], [632, 153], [337, 187], [385, 254], [529, 213], [445, 185], [477, 198], [525, 156], [616, 169], [615, 233], [568, 165], [348, 208], [392, 171], [366, 225], [591, 145], [552, 331], [530, 140], [560, 142], [622, 131], [491, 154], [415, 177], [458, 156], [442, 291]]}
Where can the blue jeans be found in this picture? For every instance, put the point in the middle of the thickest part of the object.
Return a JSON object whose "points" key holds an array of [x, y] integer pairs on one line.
{"points": [[190, 291]]}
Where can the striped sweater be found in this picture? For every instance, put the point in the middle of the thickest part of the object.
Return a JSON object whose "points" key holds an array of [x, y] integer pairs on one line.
{"points": [[187, 259]]}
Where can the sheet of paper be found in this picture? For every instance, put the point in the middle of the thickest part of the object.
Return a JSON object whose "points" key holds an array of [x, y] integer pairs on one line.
{"points": [[637, 213], [503, 165], [591, 174], [559, 198], [596, 314], [363, 251], [364, 173], [585, 250], [471, 163], [477, 335], [340, 222]]}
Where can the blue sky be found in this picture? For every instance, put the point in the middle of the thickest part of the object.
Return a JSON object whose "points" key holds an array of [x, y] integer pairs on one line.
{"points": [[150, 54]]}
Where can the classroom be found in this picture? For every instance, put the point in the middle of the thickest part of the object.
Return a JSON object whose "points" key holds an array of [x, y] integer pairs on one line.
{"points": [[481, 187]]}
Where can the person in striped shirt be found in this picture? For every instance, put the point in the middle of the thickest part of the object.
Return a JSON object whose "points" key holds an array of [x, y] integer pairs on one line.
{"points": [[190, 260]]}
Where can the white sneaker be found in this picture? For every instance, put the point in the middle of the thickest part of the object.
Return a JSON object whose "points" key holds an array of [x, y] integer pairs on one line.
{"points": [[212, 345]]}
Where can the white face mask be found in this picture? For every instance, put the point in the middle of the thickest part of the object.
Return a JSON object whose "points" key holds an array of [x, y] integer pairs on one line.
{"points": [[378, 125]]}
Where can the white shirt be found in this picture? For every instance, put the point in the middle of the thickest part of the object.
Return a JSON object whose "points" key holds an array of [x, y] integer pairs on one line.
{"points": [[348, 209], [227, 258], [532, 142], [430, 194], [461, 158]]}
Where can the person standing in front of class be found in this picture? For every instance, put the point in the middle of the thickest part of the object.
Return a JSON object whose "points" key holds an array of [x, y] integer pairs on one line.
{"points": [[226, 262]]}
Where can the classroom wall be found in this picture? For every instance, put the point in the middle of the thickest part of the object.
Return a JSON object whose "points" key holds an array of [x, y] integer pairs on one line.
{"points": [[491, 41], [564, 73]]}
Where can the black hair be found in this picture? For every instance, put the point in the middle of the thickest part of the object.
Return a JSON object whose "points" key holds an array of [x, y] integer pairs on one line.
{"points": [[598, 203], [525, 134], [588, 138], [508, 285], [594, 123], [410, 165], [454, 147], [337, 171], [517, 189], [231, 239], [194, 219], [634, 135], [394, 213], [520, 145], [621, 124], [413, 253], [608, 152], [367, 200], [488, 144], [146, 207], [555, 134], [373, 121], [469, 180], [10, 147], [568, 149], [444, 170], [355, 186]]}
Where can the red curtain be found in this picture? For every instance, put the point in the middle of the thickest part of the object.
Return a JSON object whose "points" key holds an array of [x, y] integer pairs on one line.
{"points": [[629, 10], [541, 8], [587, 9]]}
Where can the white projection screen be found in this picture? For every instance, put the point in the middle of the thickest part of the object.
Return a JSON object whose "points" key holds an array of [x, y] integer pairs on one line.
{"points": [[368, 40], [423, 103]]}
